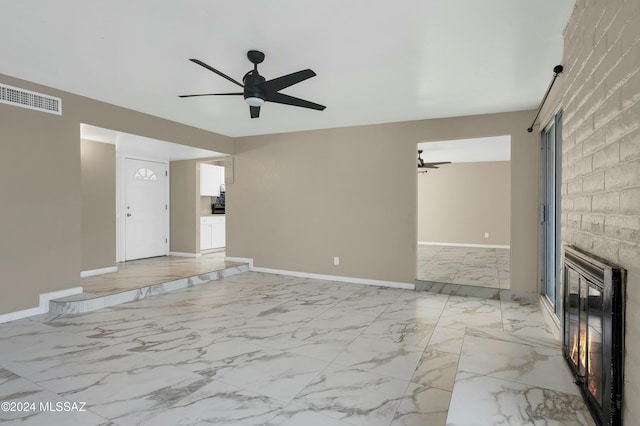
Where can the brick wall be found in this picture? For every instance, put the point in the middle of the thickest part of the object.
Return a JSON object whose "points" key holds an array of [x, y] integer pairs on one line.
{"points": [[600, 95]]}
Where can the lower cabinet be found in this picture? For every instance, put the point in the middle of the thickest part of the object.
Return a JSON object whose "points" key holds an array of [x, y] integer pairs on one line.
{"points": [[212, 232]]}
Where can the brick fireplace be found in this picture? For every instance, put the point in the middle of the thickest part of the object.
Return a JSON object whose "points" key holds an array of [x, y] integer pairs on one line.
{"points": [[599, 93]]}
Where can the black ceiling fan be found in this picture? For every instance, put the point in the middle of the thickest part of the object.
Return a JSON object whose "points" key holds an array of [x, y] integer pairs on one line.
{"points": [[257, 90], [424, 166]]}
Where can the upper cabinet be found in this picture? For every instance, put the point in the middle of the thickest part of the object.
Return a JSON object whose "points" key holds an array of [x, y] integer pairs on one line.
{"points": [[211, 177]]}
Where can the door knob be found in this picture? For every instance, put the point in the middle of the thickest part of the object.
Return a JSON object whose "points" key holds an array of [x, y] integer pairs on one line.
{"points": [[128, 214]]}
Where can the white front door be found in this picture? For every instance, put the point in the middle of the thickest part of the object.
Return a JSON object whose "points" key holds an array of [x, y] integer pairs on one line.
{"points": [[145, 209]]}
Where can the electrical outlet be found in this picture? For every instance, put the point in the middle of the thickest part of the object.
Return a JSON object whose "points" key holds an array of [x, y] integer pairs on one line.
{"points": [[486, 235], [336, 260]]}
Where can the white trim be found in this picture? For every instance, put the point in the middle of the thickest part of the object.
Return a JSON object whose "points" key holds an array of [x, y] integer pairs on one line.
{"points": [[424, 243], [181, 254], [167, 218], [366, 281], [44, 305], [119, 203], [240, 260], [551, 318], [213, 250], [393, 284], [100, 271]]}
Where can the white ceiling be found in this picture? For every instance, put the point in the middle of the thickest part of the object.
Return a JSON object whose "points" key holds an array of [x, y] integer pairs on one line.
{"points": [[496, 148], [376, 62], [143, 147]]}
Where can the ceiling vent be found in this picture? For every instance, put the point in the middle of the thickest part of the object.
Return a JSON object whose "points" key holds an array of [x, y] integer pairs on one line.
{"points": [[27, 99]]}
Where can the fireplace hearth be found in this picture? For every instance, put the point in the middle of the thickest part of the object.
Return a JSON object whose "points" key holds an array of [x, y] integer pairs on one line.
{"points": [[593, 331]]}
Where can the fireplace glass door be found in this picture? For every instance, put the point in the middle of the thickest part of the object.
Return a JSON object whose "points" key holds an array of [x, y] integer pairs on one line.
{"points": [[583, 316], [594, 368], [593, 332], [572, 317]]}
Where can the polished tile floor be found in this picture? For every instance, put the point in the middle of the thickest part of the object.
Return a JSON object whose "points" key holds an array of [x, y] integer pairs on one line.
{"points": [[261, 349], [475, 266], [145, 272]]}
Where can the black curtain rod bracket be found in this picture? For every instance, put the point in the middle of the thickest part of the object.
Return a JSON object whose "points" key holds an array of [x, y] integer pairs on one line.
{"points": [[557, 70]]}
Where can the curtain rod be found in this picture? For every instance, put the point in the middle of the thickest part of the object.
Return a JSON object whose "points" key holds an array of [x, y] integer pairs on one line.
{"points": [[556, 71]]}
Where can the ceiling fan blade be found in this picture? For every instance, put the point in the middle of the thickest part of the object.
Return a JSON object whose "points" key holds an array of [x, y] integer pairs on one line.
{"points": [[436, 163], [285, 81], [255, 111], [280, 98], [210, 68], [211, 94]]}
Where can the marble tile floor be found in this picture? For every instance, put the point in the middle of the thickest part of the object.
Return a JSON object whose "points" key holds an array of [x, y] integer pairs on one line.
{"points": [[472, 266], [262, 349], [145, 272], [144, 278]]}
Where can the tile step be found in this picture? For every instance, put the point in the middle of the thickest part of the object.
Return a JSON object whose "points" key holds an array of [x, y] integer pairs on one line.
{"points": [[88, 302]]}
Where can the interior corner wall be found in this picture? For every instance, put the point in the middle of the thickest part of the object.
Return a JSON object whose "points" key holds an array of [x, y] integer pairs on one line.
{"points": [[460, 202], [184, 210], [599, 93], [40, 214], [40, 189], [98, 200], [299, 199]]}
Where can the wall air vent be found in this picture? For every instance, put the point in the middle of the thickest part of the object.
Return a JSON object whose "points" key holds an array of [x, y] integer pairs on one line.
{"points": [[27, 99]]}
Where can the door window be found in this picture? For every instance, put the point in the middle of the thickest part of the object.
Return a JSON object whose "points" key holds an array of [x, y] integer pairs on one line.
{"points": [[144, 173]]}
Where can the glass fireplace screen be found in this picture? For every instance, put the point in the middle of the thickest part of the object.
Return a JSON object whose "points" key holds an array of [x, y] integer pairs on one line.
{"points": [[583, 333], [593, 331]]}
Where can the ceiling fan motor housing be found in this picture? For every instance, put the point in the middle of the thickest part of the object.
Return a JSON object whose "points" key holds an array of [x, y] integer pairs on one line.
{"points": [[254, 86]]}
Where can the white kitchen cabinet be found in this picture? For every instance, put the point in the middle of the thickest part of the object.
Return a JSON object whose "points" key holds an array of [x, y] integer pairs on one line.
{"points": [[212, 232], [205, 235], [211, 177], [218, 239]]}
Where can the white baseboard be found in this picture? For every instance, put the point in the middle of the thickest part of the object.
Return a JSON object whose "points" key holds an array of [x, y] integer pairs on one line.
{"points": [[249, 260], [213, 250], [100, 271], [380, 283], [44, 305], [424, 243], [241, 260], [181, 254]]}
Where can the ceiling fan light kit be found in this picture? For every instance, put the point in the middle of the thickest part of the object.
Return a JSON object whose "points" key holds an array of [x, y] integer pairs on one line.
{"points": [[257, 90], [254, 101]]}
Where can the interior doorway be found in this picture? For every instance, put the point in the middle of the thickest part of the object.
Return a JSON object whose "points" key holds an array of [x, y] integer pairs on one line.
{"points": [[146, 209], [464, 212], [112, 208]]}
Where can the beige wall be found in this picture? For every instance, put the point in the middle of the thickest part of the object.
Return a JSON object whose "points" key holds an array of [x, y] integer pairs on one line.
{"points": [[40, 217], [299, 199], [184, 206], [599, 93], [98, 185], [459, 202], [41, 213]]}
